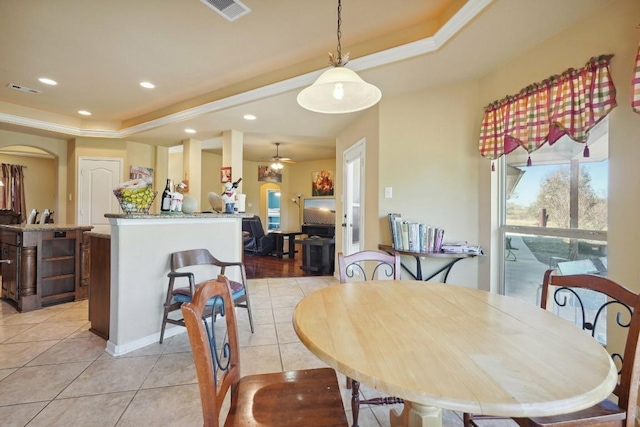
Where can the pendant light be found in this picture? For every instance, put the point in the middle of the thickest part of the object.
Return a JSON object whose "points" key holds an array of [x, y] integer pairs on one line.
{"points": [[339, 90]]}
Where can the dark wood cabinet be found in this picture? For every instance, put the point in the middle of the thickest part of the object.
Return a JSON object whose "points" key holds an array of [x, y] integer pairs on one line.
{"points": [[10, 271], [100, 288], [43, 264]]}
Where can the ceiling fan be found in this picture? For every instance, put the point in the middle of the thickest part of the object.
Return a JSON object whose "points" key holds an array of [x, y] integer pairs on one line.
{"points": [[278, 160]]}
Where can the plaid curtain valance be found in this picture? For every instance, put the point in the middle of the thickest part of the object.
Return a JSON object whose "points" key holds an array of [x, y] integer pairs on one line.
{"points": [[567, 104], [635, 85]]}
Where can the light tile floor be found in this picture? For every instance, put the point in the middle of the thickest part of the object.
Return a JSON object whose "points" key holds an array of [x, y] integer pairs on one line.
{"points": [[54, 372]]}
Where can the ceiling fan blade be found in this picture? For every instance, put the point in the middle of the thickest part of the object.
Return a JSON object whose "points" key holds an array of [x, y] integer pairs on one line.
{"points": [[287, 160]]}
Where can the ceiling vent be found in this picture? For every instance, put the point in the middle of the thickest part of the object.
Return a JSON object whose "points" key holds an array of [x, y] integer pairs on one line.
{"points": [[23, 89], [230, 9]]}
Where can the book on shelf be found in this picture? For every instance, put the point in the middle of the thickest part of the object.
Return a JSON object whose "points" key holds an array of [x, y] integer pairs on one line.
{"points": [[414, 236], [405, 236]]}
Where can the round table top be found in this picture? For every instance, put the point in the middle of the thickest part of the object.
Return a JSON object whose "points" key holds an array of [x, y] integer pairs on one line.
{"points": [[455, 348]]}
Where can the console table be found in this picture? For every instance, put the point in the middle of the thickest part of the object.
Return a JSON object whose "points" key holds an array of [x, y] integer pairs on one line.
{"points": [[453, 259], [279, 242]]}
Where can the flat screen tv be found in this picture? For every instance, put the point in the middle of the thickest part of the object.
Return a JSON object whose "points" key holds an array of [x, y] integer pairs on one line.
{"points": [[319, 211]]}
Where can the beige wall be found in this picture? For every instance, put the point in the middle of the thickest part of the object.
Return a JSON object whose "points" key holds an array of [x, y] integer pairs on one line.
{"points": [[428, 158], [175, 167], [56, 147], [211, 164], [251, 186], [39, 181]]}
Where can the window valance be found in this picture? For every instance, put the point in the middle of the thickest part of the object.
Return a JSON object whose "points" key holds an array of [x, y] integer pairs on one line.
{"points": [[635, 85], [567, 104]]}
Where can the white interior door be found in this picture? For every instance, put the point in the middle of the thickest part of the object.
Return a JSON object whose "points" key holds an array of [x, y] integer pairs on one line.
{"points": [[97, 177], [353, 198]]}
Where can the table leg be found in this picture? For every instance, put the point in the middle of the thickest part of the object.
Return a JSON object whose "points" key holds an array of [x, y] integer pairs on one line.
{"points": [[325, 259], [416, 415], [279, 245], [446, 269], [292, 247], [418, 268]]}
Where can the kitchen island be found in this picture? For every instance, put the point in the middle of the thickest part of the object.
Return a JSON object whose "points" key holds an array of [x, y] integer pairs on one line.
{"points": [[44, 264], [141, 245]]}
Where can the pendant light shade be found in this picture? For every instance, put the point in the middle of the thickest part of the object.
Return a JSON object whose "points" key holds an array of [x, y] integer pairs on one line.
{"points": [[339, 90]]}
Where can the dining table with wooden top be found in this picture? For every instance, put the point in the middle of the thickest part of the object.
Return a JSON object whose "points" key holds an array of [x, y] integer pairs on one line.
{"points": [[441, 346]]}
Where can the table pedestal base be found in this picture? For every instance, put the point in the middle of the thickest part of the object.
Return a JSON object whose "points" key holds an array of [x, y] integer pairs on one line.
{"points": [[416, 415]]}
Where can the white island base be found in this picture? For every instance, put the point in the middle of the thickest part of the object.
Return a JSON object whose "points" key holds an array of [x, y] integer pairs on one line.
{"points": [[140, 250]]}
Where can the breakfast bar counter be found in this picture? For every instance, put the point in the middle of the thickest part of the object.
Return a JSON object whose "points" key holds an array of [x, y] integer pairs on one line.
{"points": [[141, 245]]}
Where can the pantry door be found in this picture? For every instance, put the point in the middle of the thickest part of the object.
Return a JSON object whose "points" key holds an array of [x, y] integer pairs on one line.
{"points": [[97, 177]]}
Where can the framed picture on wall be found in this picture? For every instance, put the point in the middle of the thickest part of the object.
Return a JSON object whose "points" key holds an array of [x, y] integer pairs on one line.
{"points": [[140, 172], [322, 183], [225, 174], [267, 174]]}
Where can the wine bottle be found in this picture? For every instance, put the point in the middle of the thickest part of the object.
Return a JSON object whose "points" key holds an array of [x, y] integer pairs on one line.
{"points": [[235, 184], [165, 206]]}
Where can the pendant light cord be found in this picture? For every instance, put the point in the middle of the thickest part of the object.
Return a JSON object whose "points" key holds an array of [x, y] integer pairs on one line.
{"points": [[339, 32]]}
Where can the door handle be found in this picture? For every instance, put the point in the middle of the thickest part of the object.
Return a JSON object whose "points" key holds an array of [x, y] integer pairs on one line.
{"points": [[7, 261], [344, 224]]}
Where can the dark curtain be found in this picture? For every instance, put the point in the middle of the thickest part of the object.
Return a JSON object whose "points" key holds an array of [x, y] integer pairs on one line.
{"points": [[13, 190]]}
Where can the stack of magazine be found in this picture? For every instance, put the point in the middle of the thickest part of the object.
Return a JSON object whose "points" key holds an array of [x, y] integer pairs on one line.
{"points": [[461, 248], [414, 236]]}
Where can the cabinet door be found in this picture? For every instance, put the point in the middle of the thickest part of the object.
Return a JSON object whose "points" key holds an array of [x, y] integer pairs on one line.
{"points": [[4, 255], [9, 272]]}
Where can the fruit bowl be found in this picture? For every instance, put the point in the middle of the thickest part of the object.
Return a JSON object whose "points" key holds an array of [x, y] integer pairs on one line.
{"points": [[136, 200]]}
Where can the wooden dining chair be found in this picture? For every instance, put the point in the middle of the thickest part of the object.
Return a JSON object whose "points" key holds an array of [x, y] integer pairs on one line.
{"points": [[308, 397], [182, 265], [360, 266], [570, 293]]}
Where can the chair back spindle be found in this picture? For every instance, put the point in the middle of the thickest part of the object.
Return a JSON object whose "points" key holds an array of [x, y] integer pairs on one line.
{"points": [[355, 266], [309, 397], [215, 377], [590, 299], [582, 290]]}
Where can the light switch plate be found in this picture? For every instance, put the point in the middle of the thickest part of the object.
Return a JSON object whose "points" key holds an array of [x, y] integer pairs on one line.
{"points": [[388, 192]]}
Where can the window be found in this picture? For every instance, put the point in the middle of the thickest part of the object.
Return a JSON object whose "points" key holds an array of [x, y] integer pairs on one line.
{"points": [[554, 212]]}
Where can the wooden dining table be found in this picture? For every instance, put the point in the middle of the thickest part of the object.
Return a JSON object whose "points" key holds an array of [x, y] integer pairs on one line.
{"points": [[440, 346]]}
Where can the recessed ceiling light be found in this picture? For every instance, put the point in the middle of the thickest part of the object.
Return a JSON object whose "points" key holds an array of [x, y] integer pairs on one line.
{"points": [[147, 85], [190, 130], [84, 112], [48, 81], [249, 117]]}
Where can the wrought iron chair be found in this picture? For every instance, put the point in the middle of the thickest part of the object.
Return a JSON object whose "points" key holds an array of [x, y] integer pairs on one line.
{"points": [[183, 265], [509, 254], [354, 266], [296, 398], [572, 289]]}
